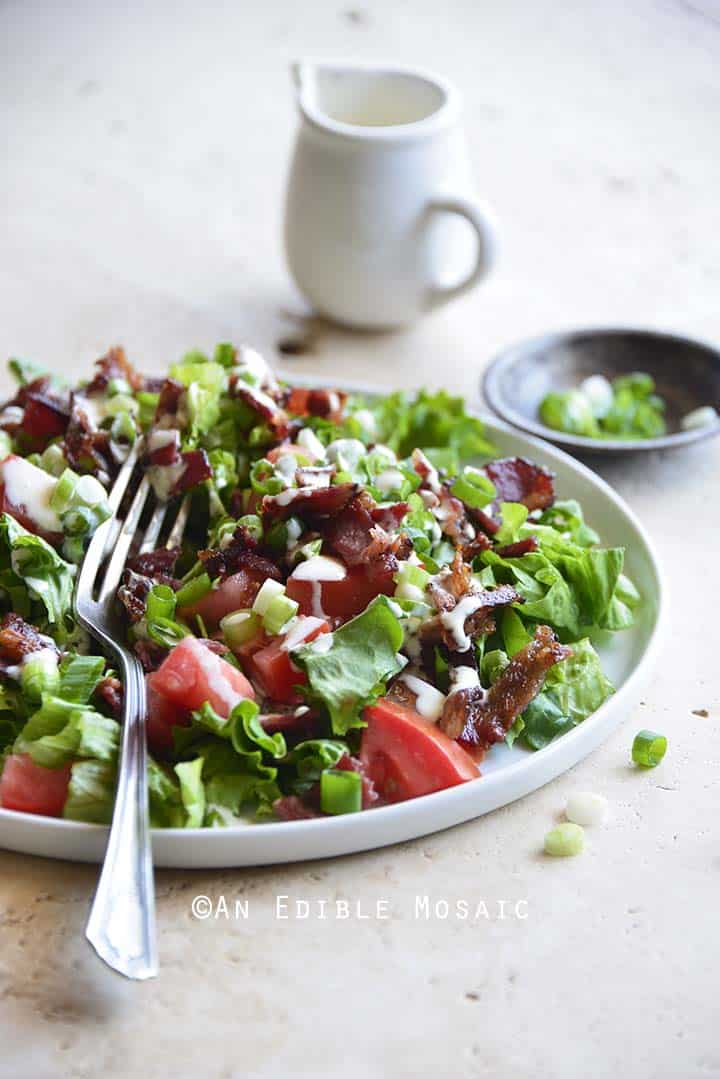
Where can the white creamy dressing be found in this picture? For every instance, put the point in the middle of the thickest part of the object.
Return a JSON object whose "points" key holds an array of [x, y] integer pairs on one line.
{"points": [[318, 569], [13, 414], [299, 631], [322, 644], [430, 499], [294, 528], [162, 437], [314, 477], [262, 399], [454, 620], [164, 478], [395, 608], [463, 678], [286, 497], [333, 401], [429, 702], [48, 656], [286, 467], [346, 453], [31, 488], [427, 471], [311, 443], [389, 480], [405, 590]]}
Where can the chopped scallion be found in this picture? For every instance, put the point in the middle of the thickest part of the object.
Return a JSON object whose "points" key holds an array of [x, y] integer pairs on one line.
{"points": [[340, 791], [649, 748]]}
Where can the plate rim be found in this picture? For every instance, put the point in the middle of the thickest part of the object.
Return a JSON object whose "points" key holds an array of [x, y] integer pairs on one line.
{"points": [[443, 805]]}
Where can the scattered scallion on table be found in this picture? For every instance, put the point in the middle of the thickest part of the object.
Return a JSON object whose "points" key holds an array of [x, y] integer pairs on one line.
{"points": [[649, 748]]}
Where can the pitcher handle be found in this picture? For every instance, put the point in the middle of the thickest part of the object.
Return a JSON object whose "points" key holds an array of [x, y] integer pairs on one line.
{"points": [[484, 228]]}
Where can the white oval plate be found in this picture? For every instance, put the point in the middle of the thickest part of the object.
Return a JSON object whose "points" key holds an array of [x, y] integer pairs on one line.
{"points": [[507, 774]]}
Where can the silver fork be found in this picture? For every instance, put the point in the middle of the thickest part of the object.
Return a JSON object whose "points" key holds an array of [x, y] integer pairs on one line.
{"points": [[121, 926]]}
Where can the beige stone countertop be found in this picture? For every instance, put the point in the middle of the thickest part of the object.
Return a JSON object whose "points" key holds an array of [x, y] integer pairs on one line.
{"points": [[146, 147]]}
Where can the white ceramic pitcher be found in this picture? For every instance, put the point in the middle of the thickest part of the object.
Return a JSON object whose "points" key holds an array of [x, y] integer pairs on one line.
{"points": [[381, 224]]}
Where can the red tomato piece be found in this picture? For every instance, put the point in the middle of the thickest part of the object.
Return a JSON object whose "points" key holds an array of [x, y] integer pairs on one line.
{"points": [[406, 755], [29, 788], [192, 674], [274, 669], [346, 598], [162, 716], [233, 594]]}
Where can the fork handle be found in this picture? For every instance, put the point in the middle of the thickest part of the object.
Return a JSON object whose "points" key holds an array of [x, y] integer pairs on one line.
{"points": [[121, 927]]}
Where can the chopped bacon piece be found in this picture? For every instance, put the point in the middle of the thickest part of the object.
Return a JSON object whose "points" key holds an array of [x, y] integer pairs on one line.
{"points": [[168, 454], [197, 469], [114, 364], [517, 550], [519, 480], [476, 546], [391, 516], [133, 593], [261, 402], [484, 521], [426, 470], [18, 639], [158, 564], [478, 622], [452, 518], [326, 403], [308, 501], [45, 417], [296, 724], [168, 406], [290, 807], [110, 691], [86, 448], [483, 717], [240, 553], [150, 654], [355, 536]]}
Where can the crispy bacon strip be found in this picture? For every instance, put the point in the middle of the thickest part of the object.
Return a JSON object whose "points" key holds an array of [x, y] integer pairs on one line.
{"points": [[290, 807], [18, 639], [483, 717], [114, 364], [110, 692], [327, 403], [355, 535], [517, 550], [308, 502], [518, 480], [240, 553], [261, 402]]}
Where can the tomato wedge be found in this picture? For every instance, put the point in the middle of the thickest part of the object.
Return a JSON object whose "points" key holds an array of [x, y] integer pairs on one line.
{"points": [[273, 668], [29, 788], [406, 755], [162, 715], [343, 599], [233, 594], [192, 674]]}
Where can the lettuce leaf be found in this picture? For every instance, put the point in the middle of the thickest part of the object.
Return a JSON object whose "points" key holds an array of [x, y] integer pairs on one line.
{"points": [[429, 421], [91, 793], [31, 566], [353, 670]]}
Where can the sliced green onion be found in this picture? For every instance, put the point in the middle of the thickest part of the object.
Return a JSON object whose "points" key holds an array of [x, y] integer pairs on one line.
{"points": [[239, 627], [117, 405], [269, 590], [6, 444], [123, 428], [64, 489], [52, 460], [39, 674], [166, 631], [160, 602], [193, 591], [279, 611], [89, 492], [263, 479], [73, 549], [277, 537], [340, 791], [307, 551], [253, 524], [118, 386], [148, 404], [409, 573], [78, 521], [474, 488], [649, 748], [225, 354], [565, 841]]}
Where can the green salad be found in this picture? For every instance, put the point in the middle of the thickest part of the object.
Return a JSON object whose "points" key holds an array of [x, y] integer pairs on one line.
{"points": [[365, 602], [625, 408]]}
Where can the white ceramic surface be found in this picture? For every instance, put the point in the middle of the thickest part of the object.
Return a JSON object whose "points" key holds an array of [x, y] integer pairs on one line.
{"points": [[381, 224], [507, 774]]}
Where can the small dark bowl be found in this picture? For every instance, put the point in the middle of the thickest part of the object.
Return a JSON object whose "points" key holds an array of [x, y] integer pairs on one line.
{"points": [[686, 373]]}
